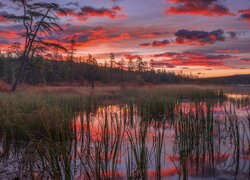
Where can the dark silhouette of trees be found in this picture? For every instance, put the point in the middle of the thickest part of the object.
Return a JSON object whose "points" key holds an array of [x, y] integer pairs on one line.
{"points": [[53, 72], [112, 60], [141, 65], [38, 20], [33, 73], [9, 74], [91, 73], [91, 60], [16, 50], [121, 64], [1, 69], [72, 48], [130, 65]]}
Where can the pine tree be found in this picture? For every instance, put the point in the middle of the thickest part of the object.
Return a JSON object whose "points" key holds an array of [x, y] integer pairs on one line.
{"points": [[140, 64], [1, 68], [9, 75], [130, 65], [112, 60]]}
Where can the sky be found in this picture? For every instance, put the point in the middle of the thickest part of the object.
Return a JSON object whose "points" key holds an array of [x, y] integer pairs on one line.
{"points": [[203, 37]]}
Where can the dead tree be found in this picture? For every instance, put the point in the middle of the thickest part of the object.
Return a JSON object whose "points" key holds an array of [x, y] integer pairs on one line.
{"points": [[39, 20]]}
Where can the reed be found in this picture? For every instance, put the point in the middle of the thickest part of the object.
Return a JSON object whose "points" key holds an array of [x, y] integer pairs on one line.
{"points": [[76, 136]]}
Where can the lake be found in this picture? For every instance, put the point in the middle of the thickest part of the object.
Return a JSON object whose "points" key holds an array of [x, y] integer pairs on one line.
{"points": [[152, 138]]}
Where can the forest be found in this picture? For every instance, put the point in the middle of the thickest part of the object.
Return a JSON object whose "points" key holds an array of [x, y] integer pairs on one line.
{"points": [[56, 72]]}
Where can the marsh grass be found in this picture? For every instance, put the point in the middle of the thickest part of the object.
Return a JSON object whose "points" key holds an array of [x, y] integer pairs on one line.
{"points": [[66, 135], [194, 140]]}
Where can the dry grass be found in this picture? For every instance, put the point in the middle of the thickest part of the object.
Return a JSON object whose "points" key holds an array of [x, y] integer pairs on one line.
{"points": [[109, 89]]}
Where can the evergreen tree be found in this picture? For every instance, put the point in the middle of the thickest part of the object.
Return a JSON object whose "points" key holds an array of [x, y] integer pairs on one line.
{"points": [[130, 65], [72, 49], [140, 64], [9, 75], [112, 60], [34, 72], [1, 68]]}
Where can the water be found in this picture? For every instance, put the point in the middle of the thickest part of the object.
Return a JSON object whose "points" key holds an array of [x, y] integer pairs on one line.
{"points": [[176, 140], [212, 155]]}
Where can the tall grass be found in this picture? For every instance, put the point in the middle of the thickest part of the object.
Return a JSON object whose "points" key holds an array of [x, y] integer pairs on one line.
{"points": [[73, 136]]}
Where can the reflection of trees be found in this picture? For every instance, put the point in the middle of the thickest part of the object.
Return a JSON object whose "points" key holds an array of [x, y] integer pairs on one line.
{"points": [[129, 140], [205, 145]]}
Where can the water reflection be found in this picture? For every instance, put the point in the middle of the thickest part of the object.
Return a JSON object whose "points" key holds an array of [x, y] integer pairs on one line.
{"points": [[199, 140], [155, 140]]}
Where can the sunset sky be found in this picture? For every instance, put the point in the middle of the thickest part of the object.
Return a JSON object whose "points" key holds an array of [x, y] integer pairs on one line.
{"points": [[204, 37]]}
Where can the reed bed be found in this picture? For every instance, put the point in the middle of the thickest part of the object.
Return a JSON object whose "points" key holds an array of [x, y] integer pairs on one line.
{"points": [[76, 136]]}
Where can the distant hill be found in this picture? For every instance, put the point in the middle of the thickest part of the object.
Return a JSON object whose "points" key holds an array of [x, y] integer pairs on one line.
{"points": [[235, 79]]}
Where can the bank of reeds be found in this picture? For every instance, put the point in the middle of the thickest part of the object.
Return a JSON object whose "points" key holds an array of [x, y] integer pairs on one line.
{"points": [[73, 136]]}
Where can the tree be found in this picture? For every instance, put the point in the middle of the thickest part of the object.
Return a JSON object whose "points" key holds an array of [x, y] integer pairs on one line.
{"points": [[16, 49], [130, 64], [91, 60], [112, 59], [9, 74], [72, 48], [91, 72], [33, 74], [121, 64], [38, 50], [38, 20], [140, 64], [1, 68]]}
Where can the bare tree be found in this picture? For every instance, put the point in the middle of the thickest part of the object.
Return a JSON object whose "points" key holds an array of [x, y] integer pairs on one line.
{"points": [[39, 20], [72, 49]]}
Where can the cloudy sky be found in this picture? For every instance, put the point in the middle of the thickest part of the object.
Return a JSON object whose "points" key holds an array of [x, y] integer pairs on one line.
{"points": [[202, 37]]}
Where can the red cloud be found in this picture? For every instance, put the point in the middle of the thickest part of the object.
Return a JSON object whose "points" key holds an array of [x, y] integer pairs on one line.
{"points": [[87, 12], [227, 51], [8, 34], [167, 54], [161, 64], [95, 36], [193, 59], [4, 46], [247, 60], [131, 57], [156, 44], [199, 37], [199, 7], [202, 38], [245, 14], [3, 18], [151, 35]]}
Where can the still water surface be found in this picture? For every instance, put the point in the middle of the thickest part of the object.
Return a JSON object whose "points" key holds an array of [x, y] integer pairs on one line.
{"points": [[175, 140]]}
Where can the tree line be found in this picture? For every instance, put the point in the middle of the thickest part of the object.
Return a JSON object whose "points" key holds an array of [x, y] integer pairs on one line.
{"points": [[56, 72]]}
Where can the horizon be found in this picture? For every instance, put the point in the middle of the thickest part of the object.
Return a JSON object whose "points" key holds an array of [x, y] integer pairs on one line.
{"points": [[209, 38]]}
